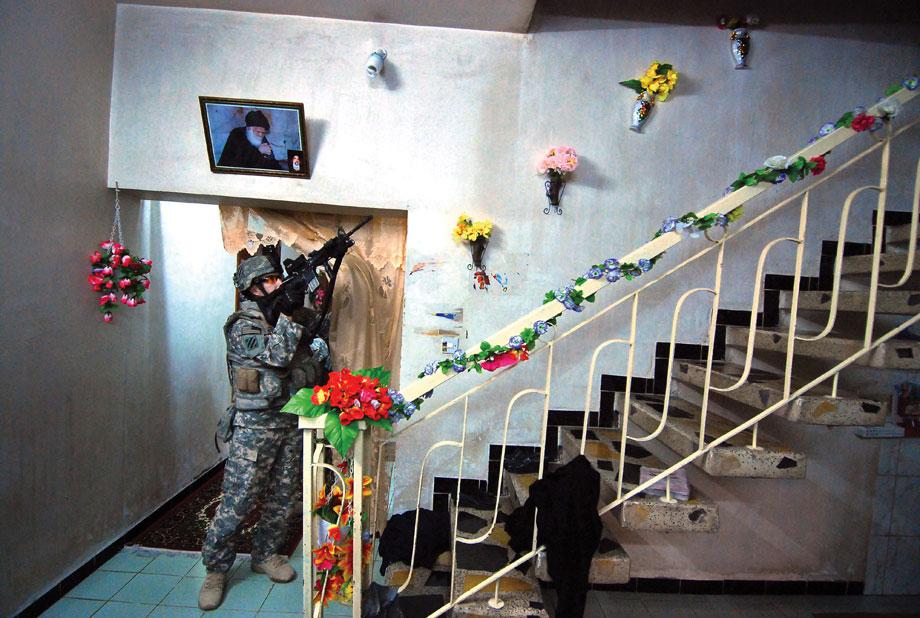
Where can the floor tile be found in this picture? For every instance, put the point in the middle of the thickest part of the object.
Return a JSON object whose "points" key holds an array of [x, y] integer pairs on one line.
{"points": [[902, 571], [909, 457], [129, 560], [883, 505], [185, 593], [285, 598], [72, 608], [147, 588], [279, 614], [337, 610], [162, 611], [100, 585], [231, 613], [904, 520], [171, 564], [198, 570], [247, 594], [117, 609]]}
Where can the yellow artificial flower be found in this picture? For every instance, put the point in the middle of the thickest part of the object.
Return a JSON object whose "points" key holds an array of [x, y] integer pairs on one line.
{"points": [[645, 81], [672, 77], [663, 96], [653, 87]]}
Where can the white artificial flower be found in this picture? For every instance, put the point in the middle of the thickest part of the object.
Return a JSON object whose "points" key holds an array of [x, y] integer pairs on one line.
{"points": [[778, 162], [890, 107]]}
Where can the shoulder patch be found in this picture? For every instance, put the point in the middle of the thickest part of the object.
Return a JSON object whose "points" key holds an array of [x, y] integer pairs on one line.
{"points": [[253, 344]]}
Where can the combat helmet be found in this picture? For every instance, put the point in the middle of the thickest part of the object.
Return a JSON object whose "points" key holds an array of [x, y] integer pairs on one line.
{"points": [[251, 269]]}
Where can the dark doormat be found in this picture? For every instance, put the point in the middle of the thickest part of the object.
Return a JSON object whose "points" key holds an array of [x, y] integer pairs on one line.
{"points": [[184, 526]]}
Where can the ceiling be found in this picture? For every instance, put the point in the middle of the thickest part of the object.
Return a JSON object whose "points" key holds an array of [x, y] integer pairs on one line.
{"points": [[494, 15]]}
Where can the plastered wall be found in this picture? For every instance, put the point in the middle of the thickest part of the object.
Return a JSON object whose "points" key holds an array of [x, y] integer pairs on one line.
{"points": [[100, 423], [458, 124]]}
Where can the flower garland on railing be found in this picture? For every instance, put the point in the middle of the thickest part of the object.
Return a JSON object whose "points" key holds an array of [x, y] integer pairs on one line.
{"points": [[778, 168], [492, 356], [775, 170], [334, 558]]}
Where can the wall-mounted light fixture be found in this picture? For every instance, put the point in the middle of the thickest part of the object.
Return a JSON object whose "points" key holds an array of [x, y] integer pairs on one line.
{"points": [[375, 63]]}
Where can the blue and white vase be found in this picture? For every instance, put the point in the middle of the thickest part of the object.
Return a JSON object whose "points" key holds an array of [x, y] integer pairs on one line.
{"points": [[741, 47], [640, 112]]}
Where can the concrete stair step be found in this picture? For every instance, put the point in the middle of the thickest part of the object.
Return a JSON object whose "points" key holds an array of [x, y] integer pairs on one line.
{"points": [[898, 234], [893, 263], [897, 354], [519, 593], [764, 389], [892, 302], [733, 458], [610, 564], [643, 512]]}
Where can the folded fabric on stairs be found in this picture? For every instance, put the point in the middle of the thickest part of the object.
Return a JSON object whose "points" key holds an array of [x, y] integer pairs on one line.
{"points": [[567, 524]]}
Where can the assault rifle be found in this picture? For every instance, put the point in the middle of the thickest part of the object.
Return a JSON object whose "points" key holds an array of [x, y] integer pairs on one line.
{"points": [[302, 271]]}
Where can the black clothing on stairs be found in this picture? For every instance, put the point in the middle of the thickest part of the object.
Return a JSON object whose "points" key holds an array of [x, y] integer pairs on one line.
{"points": [[569, 527], [433, 538]]}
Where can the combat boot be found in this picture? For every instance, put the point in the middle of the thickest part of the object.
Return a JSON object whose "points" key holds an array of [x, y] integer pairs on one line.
{"points": [[212, 591], [276, 567]]}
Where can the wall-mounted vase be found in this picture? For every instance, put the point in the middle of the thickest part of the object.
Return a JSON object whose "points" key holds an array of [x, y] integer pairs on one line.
{"points": [[478, 250], [555, 187], [741, 47], [640, 112]]}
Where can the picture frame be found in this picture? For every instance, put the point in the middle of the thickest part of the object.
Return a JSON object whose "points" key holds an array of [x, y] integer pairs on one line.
{"points": [[261, 138]]}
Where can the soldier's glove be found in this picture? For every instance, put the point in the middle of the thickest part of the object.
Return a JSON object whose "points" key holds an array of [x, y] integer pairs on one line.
{"points": [[303, 316], [320, 349], [291, 300]]}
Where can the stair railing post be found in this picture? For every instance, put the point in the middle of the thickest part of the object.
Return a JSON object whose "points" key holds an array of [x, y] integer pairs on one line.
{"points": [[307, 522], [796, 286], [453, 548], [877, 239], [357, 541], [711, 340]]}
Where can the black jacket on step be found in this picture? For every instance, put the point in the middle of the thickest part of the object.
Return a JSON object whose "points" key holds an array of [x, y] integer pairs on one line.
{"points": [[569, 527]]}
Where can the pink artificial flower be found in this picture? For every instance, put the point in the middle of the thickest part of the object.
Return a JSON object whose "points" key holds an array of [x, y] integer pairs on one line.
{"points": [[107, 317], [147, 261], [123, 283], [107, 270], [141, 301], [109, 284], [126, 260], [124, 299], [103, 299], [95, 257], [146, 284], [132, 302], [105, 244]]}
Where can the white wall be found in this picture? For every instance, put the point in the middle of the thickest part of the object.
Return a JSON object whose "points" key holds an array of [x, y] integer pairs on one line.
{"points": [[100, 423], [459, 124]]}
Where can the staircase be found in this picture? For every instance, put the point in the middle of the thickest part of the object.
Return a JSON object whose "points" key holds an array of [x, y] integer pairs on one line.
{"points": [[704, 411]]}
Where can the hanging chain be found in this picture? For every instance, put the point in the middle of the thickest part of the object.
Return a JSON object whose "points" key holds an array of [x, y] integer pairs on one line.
{"points": [[116, 223]]}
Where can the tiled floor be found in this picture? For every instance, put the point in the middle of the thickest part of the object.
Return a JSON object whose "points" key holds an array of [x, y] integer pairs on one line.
{"points": [[146, 582], [639, 605]]}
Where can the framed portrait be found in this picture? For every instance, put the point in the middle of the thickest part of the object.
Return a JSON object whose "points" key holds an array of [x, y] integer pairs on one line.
{"points": [[266, 138]]}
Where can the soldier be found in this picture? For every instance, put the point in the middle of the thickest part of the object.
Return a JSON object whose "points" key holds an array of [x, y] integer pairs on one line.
{"points": [[265, 448]]}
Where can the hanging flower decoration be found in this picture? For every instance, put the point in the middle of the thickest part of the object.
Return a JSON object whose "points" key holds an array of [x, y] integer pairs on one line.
{"points": [[778, 168], [120, 276], [333, 559], [348, 397]]}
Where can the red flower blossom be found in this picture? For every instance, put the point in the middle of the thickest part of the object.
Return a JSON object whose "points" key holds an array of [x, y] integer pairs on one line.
{"points": [[820, 164], [324, 557], [862, 122]]}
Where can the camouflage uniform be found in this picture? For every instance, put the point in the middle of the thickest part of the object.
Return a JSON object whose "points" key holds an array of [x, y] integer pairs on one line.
{"points": [[265, 450]]}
